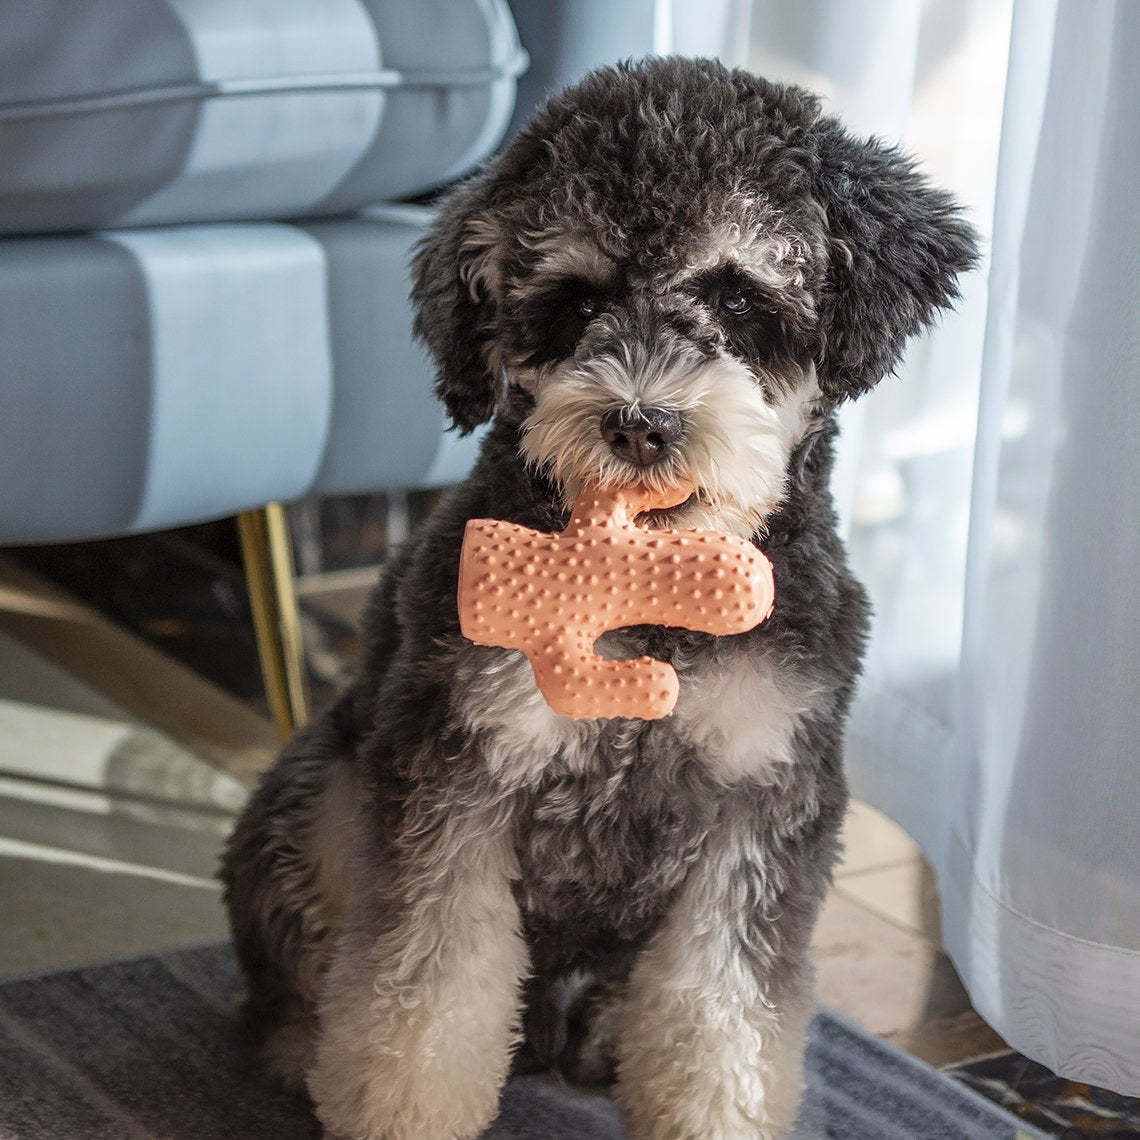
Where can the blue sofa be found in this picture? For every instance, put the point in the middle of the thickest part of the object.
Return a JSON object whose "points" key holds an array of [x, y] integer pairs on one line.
{"points": [[203, 297]]}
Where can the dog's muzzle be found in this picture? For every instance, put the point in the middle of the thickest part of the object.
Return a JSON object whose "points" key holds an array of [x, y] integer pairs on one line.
{"points": [[641, 436]]}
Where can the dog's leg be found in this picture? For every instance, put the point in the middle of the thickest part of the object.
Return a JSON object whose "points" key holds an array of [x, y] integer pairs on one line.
{"points": [[713, 1031], [282, 868], [421, 1003], [592, 1046]]}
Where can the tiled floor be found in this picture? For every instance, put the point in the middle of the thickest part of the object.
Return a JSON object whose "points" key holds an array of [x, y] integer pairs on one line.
{"points": [[878, 954], [120, 772]]}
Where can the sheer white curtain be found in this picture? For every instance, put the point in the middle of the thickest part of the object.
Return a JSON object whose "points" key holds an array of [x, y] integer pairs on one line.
{"points": [[991, 491]]}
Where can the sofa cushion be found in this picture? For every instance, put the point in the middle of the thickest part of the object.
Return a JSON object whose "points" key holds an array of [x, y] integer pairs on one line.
{"points": [[163, 376], [133, 112]]}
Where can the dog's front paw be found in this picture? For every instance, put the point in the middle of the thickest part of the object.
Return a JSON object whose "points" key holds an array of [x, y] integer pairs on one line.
{"points": [[398, 1098], [413, 1064], [698, 1071]]}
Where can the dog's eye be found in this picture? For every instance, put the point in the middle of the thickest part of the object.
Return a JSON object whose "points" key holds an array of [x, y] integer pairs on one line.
{"points": [[587, 307], [736, 303]]}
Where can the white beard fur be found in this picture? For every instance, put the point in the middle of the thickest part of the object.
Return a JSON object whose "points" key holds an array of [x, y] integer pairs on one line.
{"points": [[735, 448]]}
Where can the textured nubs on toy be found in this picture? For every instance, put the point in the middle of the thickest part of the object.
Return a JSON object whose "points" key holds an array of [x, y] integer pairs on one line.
{"points": [[554, 595]]}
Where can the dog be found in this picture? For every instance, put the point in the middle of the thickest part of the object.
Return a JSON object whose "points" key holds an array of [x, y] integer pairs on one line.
{"points": [[675, 274]]}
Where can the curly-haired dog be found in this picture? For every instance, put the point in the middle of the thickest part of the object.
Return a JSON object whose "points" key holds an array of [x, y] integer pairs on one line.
{"points": [[676, 272]]}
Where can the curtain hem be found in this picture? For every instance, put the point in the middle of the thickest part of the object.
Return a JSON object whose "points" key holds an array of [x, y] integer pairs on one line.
{"points": [[1069, 1003]]}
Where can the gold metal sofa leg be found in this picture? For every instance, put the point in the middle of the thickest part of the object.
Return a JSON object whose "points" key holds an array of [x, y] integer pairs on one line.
{"points": [[269, 577]]}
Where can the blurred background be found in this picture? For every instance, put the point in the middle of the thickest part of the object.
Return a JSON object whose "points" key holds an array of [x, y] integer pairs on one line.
{"points": [[206, 211]]}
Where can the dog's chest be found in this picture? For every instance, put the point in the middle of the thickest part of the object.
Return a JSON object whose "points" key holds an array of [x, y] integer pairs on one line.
{"points": [[616, 811], [613, 812], [604, 849]]}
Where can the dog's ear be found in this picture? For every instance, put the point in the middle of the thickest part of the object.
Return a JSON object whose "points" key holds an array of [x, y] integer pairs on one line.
{"points": [[455, 284], [897, 245]]}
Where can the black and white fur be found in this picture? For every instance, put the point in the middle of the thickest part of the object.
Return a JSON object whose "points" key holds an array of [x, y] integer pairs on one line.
{"points": [[441, 877]]}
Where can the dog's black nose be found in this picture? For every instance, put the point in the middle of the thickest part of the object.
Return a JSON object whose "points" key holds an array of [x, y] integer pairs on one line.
{"points": [[641, 435]]}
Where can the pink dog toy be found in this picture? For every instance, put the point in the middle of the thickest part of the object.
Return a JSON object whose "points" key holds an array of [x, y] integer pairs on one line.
{"points": [[554, 595]]}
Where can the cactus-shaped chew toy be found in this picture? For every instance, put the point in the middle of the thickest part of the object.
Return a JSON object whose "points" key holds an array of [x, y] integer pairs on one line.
{"points": [[553, 595]]}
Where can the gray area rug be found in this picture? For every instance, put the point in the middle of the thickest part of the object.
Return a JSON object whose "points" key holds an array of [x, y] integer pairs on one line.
{"points": [[147, 1048]]}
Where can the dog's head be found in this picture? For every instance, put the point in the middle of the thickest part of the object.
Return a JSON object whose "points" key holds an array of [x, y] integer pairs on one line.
{"points": [[685, 267]]}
